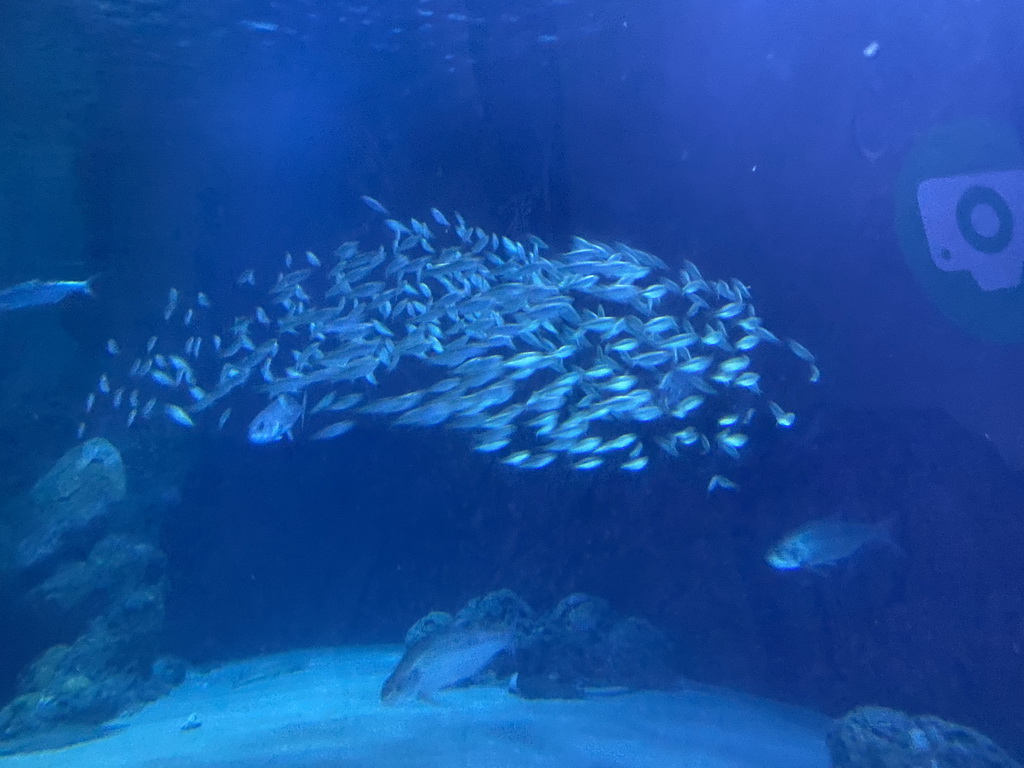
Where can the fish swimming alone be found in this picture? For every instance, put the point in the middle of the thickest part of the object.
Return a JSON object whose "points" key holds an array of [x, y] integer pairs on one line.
{"points": [[36, 293], [826, 542], [442, 660]]}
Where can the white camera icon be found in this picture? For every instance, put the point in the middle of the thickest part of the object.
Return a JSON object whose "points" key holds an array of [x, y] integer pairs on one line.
{"points": [[970, 223]]}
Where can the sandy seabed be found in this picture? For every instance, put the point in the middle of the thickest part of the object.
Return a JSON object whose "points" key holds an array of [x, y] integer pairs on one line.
{"points": [[321, 708]]}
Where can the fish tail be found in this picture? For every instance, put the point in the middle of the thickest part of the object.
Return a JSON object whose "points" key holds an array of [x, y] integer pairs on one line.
{"points": [[88, 287]]}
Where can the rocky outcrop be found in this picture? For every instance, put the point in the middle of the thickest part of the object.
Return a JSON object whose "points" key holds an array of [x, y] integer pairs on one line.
{"points": [[875, 737], [91, 578], [580, 643]]}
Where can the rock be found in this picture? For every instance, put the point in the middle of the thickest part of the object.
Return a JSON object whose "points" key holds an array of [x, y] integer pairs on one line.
{"points": [[70, 503], [79, 590], [580, 642], [40, 674], [170, 670], [428, 625], [582, 614], [637, 655], [90, 472], [875, 737], [503, 608]]}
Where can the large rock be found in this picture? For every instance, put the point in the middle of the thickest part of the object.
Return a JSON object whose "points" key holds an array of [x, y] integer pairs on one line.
{"points": [[70, 502], [88, 473], [875, 737], [92, 585], [116, 565]]}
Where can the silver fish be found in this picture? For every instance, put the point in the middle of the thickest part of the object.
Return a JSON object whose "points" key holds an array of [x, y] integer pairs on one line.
{"points": [[172, 303], [224, 418], [374, 205], [826, 542], [275, 421], [442, 660], [36, 293], [178, 414], [334, 430]]}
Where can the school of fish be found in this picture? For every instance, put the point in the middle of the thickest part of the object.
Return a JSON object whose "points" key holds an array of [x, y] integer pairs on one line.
{"points": [[595, 357]]}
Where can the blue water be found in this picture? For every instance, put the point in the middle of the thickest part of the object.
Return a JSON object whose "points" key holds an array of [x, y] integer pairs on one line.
{"points": [[166, 145]]}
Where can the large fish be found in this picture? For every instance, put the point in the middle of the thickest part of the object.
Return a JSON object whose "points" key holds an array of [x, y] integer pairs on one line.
{"points": [[442, 660], [275, 421], [36, 293], [826, 542]]}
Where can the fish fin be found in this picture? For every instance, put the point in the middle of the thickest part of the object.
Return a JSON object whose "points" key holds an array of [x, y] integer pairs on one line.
{"points": [[428, 698]]}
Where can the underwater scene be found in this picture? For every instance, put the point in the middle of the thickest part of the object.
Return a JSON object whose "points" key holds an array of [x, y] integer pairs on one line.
{"points": [[502, 383]]}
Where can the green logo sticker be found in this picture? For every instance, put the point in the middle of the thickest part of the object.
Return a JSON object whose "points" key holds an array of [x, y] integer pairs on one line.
{"points": [[959, 218]]}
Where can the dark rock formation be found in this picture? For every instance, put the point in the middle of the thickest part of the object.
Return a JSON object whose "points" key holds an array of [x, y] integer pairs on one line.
{"points": [[89, 578], [875, 737]]}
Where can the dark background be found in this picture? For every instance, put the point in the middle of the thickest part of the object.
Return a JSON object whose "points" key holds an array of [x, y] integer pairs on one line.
{"points": [[731, 136]]}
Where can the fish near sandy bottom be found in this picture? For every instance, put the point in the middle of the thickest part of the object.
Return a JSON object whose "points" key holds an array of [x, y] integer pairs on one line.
{"points": [[826, 542], [442, 660]]}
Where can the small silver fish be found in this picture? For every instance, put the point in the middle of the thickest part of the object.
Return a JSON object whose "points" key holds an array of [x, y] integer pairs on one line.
{"points": [[259, 26], [826, 542], [172, 303], [442, 660], [334, 430], [248, 277], [224, 418], [312, 260], [178, 415], [800, 350], [374, 205], [720, 481], [113, 349], [439, 217]]}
